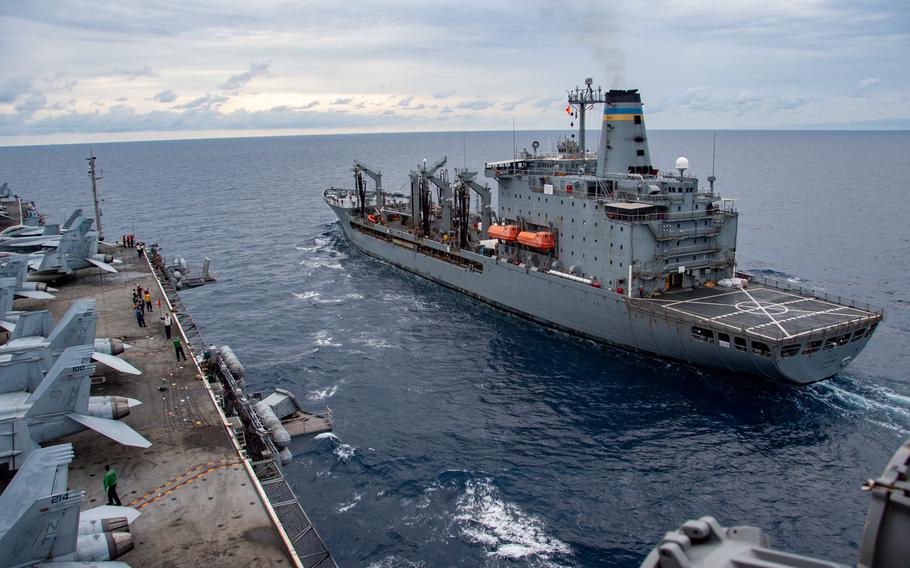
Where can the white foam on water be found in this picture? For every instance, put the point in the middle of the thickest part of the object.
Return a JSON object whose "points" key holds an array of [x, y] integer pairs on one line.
{"points": [[344, 452], [393, 561], [374, 342], [322, 263], [306, 249], [315, 298], [351, 505], [322, 394], [894, 406], [502, 527], [323, 339]]}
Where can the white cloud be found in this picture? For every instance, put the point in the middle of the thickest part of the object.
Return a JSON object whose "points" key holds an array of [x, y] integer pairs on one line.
{"points": [[238, 81], [797, 59], [205, 102], [130, 74], [12, 87], [167, 96]]}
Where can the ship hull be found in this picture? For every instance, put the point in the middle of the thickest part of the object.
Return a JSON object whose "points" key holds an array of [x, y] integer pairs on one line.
{"points": [[581, 309]]}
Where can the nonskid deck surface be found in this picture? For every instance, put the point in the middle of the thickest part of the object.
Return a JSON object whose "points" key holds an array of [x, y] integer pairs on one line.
{"points": [[761, 310]]}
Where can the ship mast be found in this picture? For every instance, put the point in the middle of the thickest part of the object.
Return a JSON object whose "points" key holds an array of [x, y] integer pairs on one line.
{"points": [[584, 99], [92, 173]]}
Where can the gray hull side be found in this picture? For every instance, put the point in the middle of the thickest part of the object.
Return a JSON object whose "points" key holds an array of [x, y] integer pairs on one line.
{"points": [[594, 313]]}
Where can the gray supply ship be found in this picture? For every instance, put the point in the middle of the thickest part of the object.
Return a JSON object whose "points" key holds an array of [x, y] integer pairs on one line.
{"points": [[606, 247]]}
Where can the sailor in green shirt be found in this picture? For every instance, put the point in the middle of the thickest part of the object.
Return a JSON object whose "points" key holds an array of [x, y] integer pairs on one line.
{"points": [[178, 349], [110, 485]]}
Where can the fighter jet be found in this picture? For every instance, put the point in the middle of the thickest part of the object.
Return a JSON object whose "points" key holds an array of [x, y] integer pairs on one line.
{"points": [[41, 524], [33, 231], [74, 252], [50, 239], [61, 406], [76, 327], [16, 266]]}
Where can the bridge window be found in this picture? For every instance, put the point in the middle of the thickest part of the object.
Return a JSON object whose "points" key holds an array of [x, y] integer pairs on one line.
{"points": [[859, 333], [702, 334], [640, 152], [812, 347], [790, 350], [723, 340], [637, 119], [739, 343], [760, 348]]}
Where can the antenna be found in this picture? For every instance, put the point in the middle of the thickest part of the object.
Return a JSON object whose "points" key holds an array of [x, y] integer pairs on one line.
{"points": [[514, 146], [711, 178], [93, 174]]}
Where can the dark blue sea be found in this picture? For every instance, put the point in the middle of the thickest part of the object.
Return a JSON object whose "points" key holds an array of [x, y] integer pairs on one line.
{"points": [[468, 437]]}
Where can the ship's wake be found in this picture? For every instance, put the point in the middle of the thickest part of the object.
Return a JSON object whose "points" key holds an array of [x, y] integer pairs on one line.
{"points": [[502, 528], [875, 403]]}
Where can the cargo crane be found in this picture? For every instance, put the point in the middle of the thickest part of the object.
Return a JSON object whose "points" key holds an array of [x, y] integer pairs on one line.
{"points": [[466, 177], [359, 170]]}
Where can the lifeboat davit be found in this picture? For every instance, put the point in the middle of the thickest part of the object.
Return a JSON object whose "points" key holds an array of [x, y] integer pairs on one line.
{"points": [[543, 240], [504, 232]]}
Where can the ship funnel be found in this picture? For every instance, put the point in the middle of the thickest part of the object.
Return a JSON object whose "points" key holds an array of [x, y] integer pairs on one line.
{"points": [[623, 138]]}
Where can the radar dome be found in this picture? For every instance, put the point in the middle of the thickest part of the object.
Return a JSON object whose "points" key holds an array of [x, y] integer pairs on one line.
{"points": [[682, 163]]}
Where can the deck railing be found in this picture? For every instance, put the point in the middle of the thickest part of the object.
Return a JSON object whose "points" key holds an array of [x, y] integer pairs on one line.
{"points": [[791, 287]]}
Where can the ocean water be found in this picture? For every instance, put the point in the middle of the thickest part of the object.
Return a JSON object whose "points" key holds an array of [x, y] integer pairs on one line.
{"points": [[468, 437]]}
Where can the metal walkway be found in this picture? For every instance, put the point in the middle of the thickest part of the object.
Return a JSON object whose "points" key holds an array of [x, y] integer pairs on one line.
{"points": [[252, 436]]}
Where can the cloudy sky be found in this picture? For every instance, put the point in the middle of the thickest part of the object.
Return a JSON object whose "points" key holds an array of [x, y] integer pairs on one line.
{"points": [[76, 70]]}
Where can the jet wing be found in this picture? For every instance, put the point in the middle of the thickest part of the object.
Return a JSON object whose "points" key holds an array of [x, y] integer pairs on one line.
{"points": [[104, 564], [115, 363], [102, 265], [109, 512], [34, 294], [27, 242], [113, 429]]}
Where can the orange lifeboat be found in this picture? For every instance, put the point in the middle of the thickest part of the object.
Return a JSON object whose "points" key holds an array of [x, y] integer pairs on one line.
{"points": [[540, 240], [504, 232]]}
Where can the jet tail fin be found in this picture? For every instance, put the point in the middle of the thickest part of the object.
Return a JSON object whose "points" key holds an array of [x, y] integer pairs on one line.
{"points": [[65, 388], [43, 473], [72, 218], [31, 324], [76, 327], [47, 528], [7, 294], [15, 267], [114, 429]]}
